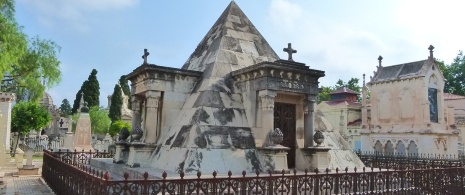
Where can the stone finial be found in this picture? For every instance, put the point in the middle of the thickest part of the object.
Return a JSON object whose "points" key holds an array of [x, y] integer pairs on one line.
{"points": [[380, 59], [146, 54], [318, 137], [430, 48], [85, 109], [364, 80], [276, 136], [289, 51]]}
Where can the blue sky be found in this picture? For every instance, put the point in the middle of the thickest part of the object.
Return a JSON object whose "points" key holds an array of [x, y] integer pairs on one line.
{"points": [[343, 38]]}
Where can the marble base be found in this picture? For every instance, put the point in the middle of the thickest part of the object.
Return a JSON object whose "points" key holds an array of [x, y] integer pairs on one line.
{"points": [[316, 158], [28, 170], [274, 158], [139, 154], [121, 152]]}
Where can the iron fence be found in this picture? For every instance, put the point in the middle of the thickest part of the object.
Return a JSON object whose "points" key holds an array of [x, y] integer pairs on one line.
{"points": [[411, 161], [74, 157], [73, 177]]}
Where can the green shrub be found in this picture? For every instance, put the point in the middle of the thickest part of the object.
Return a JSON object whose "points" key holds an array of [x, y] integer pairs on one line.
{"points": [[116, 126]]}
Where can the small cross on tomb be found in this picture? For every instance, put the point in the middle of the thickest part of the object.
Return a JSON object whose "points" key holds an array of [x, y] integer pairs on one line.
{"points": [[430, 48], [61, 123], [289, 51], [146, 53]]}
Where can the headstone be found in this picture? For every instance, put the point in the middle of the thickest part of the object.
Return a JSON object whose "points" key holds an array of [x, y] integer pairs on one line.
{"points": [[107, 141], [82, 137], [98, 145]]}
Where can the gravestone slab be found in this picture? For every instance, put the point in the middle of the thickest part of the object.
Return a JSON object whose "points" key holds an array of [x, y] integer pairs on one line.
{"points": [[82, 137]]}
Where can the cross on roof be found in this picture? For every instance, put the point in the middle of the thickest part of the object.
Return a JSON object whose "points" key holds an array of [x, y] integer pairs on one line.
{"points": [[146, 53], [430, 48], [289, 51]]}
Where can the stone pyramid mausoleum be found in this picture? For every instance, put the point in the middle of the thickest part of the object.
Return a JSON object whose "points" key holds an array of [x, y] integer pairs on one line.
{"points": [[220, 111]]}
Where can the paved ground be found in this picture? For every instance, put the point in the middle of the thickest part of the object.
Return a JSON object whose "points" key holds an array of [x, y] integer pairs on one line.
{"points": [[27, 185]]}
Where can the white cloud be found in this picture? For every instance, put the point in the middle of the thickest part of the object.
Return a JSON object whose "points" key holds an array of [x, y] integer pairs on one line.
{"points": [[336, 48], [434, 22], [73, 13]]}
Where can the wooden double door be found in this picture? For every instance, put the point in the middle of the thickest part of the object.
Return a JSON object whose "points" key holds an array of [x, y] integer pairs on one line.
{"points": [[285, 120]]}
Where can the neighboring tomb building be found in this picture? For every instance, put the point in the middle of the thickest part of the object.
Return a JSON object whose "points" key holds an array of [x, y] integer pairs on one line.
{"points": [[53, 129], [220, 111], [344, 112], [456, 103], [408, 111]]}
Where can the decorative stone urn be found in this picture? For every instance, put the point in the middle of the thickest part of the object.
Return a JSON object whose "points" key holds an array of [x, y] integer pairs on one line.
{"points": [[123, 134], [318, 138], [276, 136], [136, 134]]}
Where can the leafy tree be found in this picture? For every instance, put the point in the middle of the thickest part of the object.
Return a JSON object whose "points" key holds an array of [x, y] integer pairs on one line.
{"points": [[324, 94], [30, 64], [99, 120], [116, 103], [123, 82], [13, 42], [27, 116], [65, 108], [92, 90], [352, 84], [454, 74], [116, 126]]}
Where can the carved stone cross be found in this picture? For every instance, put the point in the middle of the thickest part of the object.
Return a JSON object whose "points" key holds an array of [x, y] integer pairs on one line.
{"points": [[430, 48], [61, 123], [289, 51], [146, 53]]}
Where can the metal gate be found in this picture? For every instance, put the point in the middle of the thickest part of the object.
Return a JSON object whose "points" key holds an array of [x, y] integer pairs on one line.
{"points": [[285, 119]]}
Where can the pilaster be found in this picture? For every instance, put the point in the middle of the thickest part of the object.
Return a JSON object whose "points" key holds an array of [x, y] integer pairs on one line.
{"points": [[152, 132], [6, 100], [267, 114], [136, 108]]}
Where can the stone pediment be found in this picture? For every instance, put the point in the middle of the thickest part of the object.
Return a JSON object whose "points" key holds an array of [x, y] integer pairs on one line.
{"points": [[281, 75]]}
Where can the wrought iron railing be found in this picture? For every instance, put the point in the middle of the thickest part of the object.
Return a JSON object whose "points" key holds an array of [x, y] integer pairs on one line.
{"points": [[37, 144], [77, 178], [411, 161], [74, 157]]}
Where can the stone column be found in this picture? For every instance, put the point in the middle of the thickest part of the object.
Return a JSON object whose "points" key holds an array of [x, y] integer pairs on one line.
{"points": [[135, 101], [309, 104], [267, 109], [151, 116], [5, 120]]}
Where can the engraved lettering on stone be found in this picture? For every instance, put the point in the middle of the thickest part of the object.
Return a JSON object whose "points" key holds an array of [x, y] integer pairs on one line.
{"points": [[291, 85]]}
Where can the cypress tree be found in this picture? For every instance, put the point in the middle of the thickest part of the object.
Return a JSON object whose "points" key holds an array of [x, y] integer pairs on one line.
{"points": [[92, 90], [123, 82], [116, 103], [76, 101]]}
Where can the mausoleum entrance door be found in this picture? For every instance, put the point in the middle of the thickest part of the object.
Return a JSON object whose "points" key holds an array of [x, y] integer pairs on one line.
{"points": [[285, 120]]}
